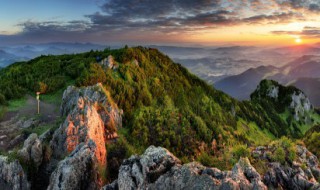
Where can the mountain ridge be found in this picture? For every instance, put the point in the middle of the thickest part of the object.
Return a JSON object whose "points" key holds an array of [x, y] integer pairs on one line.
{"points": [[163, 105]]}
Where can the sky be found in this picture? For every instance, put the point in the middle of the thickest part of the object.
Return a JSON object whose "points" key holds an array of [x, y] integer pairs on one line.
{"points": [[171, 22]]}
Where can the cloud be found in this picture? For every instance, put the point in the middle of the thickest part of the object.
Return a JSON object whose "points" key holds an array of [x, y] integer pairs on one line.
{"points": [[307, 5], [185, 14], [275, 18], [307, 32], [132, 20]]}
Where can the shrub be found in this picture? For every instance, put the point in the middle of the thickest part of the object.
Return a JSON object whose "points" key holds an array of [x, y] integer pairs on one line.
{"points": [[279, 155], [205, 159], [239, 151], [313, 143], [2, 99]]}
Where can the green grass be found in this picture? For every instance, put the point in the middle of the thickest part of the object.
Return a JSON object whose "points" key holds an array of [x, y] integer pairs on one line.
{"points": [[305, 127], [15, 105], [52, 98], [39, 130], [253, 133]]}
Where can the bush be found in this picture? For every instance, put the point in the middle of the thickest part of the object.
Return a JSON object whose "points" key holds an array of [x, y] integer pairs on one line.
{"points": [[2, 99], [205, 159], [279, 155], [313, 143], [239, 151]]}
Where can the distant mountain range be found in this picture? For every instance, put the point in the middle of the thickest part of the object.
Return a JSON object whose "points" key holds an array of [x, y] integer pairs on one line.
{"points": [[303, 72], [216, 63], [9, 55]]}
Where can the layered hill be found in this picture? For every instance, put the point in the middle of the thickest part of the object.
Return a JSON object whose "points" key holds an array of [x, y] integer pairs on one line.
{"points": [[156, 101]]}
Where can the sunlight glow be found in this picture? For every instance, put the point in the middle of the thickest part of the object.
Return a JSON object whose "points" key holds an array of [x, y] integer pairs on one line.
{"points": [[298, 40]]}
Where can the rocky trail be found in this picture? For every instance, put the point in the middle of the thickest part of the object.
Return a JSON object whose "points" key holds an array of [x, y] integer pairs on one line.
{"points": [[13, 122]]}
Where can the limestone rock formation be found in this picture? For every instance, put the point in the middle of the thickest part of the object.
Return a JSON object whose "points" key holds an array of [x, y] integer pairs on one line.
{"points": [[157, 168], [12, 176], [91, 117], [32, 150], [109, 62], [302, 174], [300, 104], [287, 97], [77, 171]]}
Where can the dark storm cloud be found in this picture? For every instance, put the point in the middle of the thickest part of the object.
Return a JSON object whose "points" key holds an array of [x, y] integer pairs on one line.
{"points": [[314, 7], [306, 32], [183, 14]]}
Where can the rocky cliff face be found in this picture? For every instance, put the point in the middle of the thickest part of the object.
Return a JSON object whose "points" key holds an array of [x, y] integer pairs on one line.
{"points": [[91, 115], [91, 118], [283, 97], [157, 168], [300, 104]]}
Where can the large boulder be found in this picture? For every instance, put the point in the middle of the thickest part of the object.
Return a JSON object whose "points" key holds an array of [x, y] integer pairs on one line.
{"points": [[32, 150], [12, 176]]}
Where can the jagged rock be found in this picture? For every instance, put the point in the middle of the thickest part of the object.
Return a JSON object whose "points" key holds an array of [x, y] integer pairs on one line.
{"points": [[12, 176], [137, 172], [135, 62], [111, 186], [29, 123], [273, 91], [109, 62], [91, 118], [300, 104], [157, 168], [300, 174], [77, 171], [32, 150], [17, 140], [288, 178], [91, 115]]}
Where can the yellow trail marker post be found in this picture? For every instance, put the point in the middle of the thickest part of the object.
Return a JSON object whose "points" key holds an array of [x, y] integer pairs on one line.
{"points": [[38, 98]]}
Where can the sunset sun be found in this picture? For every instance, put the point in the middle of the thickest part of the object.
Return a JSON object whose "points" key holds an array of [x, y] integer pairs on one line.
{"points": [[298, 40]]}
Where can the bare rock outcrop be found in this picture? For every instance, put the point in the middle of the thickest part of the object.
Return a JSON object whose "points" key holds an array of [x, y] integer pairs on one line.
{"points": [[157, 168], [109, 62], [302, 173], [91, 117], [12, 176]]}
